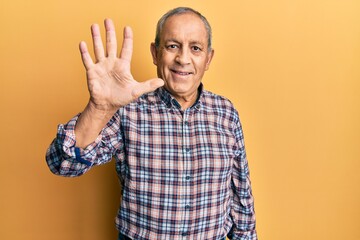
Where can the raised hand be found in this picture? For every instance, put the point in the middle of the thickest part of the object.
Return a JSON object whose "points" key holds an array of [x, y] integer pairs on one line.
{"points": [[110, 82]]}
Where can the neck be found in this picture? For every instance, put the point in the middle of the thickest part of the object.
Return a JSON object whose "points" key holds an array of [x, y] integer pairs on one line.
{"points": [[187, 101]]}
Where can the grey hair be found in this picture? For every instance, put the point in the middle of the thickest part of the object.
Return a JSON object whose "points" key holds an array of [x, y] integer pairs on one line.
{"points": [[178, 11]]}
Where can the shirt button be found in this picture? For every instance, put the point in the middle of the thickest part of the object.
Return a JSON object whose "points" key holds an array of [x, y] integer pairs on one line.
{"points": [[188, 178], [187, 149], [187, 207], [184, 233], [186, 123]]}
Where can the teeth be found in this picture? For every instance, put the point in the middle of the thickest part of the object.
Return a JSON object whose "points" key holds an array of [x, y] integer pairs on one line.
{"points": [[182, 73]]}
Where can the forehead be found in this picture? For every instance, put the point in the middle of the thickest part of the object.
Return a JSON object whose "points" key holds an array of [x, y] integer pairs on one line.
{"points": [[184, 27]]}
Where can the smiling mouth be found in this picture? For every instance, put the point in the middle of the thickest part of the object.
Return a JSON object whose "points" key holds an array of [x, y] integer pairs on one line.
{"points": [[181, 73]]}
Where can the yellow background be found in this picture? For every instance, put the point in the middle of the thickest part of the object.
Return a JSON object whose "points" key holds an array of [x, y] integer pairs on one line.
{"points": [[291, 67]]}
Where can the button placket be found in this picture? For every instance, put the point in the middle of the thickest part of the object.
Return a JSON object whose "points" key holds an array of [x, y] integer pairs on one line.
{"points": [[187, 177]]}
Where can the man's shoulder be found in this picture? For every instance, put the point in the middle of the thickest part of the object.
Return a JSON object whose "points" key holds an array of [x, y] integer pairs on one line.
{"points": [[144, 102], [212, 100], [150, 98]]}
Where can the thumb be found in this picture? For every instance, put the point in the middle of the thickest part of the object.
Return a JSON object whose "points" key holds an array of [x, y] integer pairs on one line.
{"points": [[147, 86]]}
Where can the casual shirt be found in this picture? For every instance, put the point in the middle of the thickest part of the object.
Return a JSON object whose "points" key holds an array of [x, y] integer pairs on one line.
{"points": [[184, 173]]}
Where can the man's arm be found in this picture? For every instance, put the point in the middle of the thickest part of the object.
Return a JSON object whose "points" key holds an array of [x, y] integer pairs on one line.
{"points": [[110, 82], [242, 210], [92, 138], [65, 159]]}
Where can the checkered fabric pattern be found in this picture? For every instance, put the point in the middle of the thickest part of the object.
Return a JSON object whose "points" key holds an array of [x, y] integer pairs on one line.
{"points": [[184, 173]]}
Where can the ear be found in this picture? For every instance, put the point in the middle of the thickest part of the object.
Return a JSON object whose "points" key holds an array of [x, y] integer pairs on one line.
{"points": [[210, 56], [154, 53]]}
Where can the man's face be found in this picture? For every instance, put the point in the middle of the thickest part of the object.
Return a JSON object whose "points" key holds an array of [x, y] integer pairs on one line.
{"points": [[182, 56]]}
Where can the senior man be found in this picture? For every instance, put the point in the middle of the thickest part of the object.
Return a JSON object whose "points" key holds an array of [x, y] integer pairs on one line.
{"points": [[179, 149]]}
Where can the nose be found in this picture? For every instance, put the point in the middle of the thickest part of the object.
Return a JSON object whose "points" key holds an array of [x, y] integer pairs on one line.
{"points": [[183, 57]]}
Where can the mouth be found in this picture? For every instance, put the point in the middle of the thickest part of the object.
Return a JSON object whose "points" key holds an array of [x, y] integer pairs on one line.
{"points": [[181, 73]]}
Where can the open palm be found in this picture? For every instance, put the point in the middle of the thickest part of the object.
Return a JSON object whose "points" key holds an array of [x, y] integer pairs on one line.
{"points": [[110, 82]]}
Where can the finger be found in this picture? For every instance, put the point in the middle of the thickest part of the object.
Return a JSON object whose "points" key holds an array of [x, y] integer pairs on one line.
{"points": [[97, 42], [127, 46], [85, 55], [147, 86], [111, 44]]}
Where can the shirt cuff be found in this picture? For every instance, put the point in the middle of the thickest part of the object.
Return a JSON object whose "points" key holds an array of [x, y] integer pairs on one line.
{"points": [[80, 159], [66, 135], [250, 235]]}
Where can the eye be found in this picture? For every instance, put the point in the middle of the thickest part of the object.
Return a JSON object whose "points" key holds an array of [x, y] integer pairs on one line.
{"points": [[172, 46], [196, 48]]}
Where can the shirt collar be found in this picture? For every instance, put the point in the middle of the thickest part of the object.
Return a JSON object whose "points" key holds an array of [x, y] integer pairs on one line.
{"points": [[171, 102]]}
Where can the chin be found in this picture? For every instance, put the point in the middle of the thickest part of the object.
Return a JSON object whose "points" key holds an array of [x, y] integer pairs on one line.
{"points": [[178, 88]]}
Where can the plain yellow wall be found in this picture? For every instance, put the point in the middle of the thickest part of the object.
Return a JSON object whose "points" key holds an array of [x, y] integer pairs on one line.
{"points": [[291, 67]]}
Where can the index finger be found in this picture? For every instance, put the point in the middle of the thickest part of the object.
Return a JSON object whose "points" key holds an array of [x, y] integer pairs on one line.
{"points": [[127, 46]]}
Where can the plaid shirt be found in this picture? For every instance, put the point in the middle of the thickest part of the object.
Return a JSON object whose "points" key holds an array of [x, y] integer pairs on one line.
{"points": [[184, 173]]}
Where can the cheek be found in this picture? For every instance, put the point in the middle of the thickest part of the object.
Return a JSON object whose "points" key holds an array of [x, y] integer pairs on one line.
{"points": [[201, 67], [165, 60]]}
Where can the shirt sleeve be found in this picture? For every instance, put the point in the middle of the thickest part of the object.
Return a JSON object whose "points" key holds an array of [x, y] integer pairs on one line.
{"points": [[242, 209], [65, 159]]}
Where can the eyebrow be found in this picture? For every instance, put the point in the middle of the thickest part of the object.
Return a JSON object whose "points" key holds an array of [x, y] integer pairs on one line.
{"points": [[172, 40], [176, 41]]}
